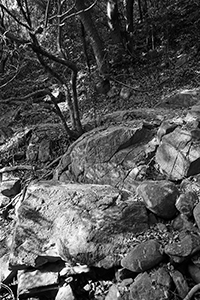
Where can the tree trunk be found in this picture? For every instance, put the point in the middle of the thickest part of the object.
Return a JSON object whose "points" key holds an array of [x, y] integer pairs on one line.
{"points": [[129, 24], [113, 21], [96, 42]]}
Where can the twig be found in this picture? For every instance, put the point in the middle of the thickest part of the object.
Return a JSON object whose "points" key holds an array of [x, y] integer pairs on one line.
{"points": [[53, 162], [2, 285], [130, 87], [14, 168], [9, 81], [79, 12], [39, 92], [192, 292]]}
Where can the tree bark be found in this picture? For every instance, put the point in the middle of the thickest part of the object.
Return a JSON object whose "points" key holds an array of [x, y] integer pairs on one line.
{"points": [[96, 42], [129, 24]]}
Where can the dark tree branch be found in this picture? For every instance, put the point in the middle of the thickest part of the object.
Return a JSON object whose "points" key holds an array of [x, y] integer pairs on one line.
{"points": [[15, 18]]}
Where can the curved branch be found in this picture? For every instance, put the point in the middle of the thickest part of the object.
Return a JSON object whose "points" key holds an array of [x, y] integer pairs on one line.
{"points": [[2, 285], [79, 12], [40, 50], [192, 292], [64, 14]]}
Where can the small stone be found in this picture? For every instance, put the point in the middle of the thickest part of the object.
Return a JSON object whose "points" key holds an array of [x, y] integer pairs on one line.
{"points": [[186, 203], [180, 283], [143, 257], [194, 272], [125, 93], [150, 287]]}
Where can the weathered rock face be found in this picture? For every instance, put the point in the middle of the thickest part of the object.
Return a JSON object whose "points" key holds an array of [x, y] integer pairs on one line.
{"points": [[107, 155], [88, 224], [160, 197], [178, 155]]}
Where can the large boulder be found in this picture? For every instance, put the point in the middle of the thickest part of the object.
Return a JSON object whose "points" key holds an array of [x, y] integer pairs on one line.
{"points": [[82, 223], [106, 155]]}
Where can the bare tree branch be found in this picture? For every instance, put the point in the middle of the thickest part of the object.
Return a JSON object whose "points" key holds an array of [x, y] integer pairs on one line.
{"points": [[13, 16], [192, 292], [78, 12], [64, 14], [23, 12], [10, 80], [13, 37]]}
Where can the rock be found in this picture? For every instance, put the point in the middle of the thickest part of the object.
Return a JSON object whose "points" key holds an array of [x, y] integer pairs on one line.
{"points": [[159, 197], [186, 203], [180, 283], [65, 293], [151, 287], [103, 86], [125, 93], [89, 224], [194, 112], [44, 151], [6, 275], [165, 128], [196, 259], [5, 134], [39, 281], [187, 245], [183, 98], [113, 293], [123, 273], [4, 200], [191, 184], [178, 154], [194, 272], [43, 140], [143, 257], [13, 191], [107, 156], [181, 223], [196, 214]]}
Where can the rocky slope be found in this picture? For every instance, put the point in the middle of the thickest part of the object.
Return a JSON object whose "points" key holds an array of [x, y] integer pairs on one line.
{"points": [[120, 218]]}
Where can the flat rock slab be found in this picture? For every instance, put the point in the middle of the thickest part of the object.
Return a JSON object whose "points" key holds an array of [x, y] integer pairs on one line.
{"points": [[83, 223]]}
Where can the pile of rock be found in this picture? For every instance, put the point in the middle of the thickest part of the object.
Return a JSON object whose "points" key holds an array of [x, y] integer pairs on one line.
{"points": [[120, 220]]}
